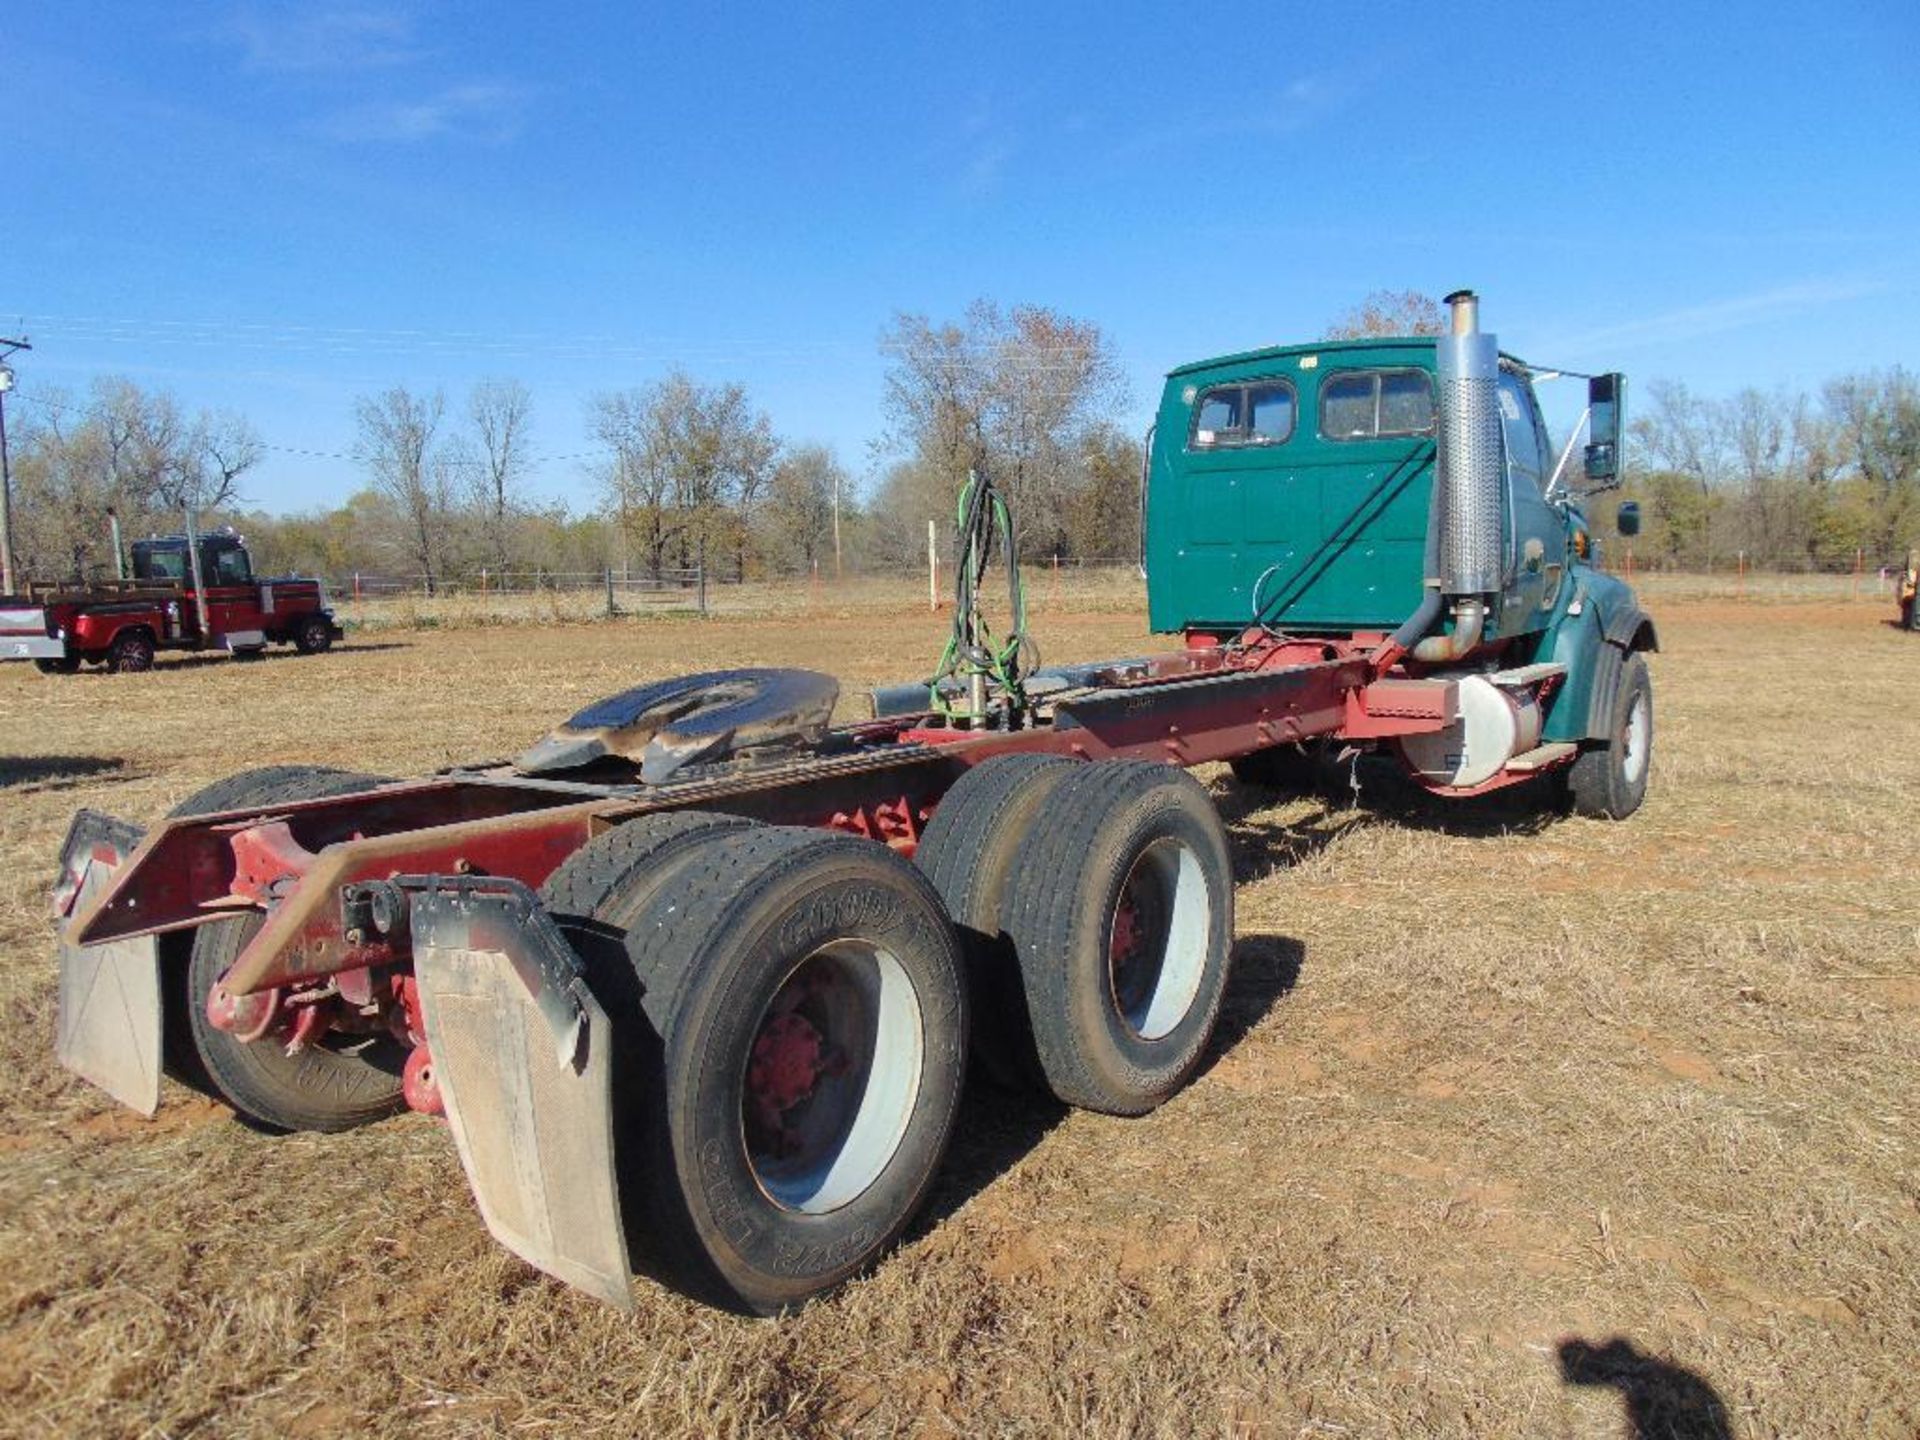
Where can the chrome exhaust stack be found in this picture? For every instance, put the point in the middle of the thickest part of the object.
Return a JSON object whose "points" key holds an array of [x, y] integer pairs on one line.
{"points": [[1468, 475]]}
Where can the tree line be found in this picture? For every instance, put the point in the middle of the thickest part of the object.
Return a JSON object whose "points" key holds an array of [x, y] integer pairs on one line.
{"points": [[687, 472], [1790, 480]]}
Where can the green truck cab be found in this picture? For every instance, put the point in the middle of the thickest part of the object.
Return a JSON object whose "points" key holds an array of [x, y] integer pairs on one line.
{"points": [[1294, 490]]}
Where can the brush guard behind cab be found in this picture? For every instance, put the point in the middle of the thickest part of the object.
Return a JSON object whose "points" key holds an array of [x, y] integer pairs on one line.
{"points": [[109, 1026], [522, 1055]]}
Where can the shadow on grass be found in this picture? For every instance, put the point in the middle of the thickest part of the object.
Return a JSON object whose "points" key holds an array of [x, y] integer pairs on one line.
{"points": [[275, 657], [1663, 1401], [1372, 789], [55, 772], [998, 1125]]}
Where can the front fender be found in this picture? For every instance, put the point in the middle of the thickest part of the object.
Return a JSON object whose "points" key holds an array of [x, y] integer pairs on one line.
{"points": [[1602, 624]]}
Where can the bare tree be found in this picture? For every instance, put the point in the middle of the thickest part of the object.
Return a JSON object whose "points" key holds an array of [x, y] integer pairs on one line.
{"points": [[501, 412], [799, 505], [689, 461], [1389, 313], [229, 447], [396, 445], [1010, 391]]}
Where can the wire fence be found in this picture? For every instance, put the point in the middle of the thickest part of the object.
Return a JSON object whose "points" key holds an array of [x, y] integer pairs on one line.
{"points": [[1083, 585], [1739, 575]]}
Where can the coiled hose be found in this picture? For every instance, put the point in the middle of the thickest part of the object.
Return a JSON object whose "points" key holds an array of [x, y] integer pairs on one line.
{"points": [[971, 650]]}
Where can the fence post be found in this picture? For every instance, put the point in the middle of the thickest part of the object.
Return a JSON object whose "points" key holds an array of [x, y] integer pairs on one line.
{"points": [[700, 578], [933, 569], [356, 585], [611, 611], [1859, 560], [1740, 585], [1629, 564]]}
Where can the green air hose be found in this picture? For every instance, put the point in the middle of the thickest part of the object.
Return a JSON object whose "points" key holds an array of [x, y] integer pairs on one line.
{"points": [[971, 649]]}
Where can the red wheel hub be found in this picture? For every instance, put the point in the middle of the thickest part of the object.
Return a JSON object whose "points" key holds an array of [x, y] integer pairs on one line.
{"points": [[420, 1085], [789, 1058], [1126, 930], [245, 1017]]}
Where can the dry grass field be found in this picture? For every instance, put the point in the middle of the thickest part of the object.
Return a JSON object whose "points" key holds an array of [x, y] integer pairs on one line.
{"points": [[1515, 1126]]}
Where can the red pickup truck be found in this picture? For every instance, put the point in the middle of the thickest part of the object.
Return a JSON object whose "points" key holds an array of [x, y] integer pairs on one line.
{"points": [[122, 623]]}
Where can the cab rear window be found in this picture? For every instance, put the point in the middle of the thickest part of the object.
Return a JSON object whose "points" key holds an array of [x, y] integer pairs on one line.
{"points": [[1260, 412], [1369, 404]]}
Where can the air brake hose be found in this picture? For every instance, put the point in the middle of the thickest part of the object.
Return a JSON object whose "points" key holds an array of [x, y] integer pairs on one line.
{"points": [[971, 650]]}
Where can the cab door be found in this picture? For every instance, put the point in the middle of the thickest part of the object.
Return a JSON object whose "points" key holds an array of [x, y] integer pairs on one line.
{"points": [[1238, 494], [233, 600]]}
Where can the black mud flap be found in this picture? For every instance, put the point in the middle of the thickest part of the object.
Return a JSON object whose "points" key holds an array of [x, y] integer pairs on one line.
{"points": [[109, 1026], [522, 1054]]}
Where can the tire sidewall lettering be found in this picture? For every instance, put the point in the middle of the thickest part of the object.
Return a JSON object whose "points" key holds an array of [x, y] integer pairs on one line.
{"points": [[762, 1236]]}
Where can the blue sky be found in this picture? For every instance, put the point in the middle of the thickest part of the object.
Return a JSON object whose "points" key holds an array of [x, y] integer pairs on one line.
{"points": [[277, 207]]}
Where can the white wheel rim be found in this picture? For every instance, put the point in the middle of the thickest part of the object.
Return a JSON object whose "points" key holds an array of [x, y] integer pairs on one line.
{"points": [[832, 1077], [1157, 939], [1633, 763]]}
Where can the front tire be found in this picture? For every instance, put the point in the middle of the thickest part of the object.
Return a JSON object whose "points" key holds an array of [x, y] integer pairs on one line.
{"points": [[314, 636], [1609, 780], [63, 665]]}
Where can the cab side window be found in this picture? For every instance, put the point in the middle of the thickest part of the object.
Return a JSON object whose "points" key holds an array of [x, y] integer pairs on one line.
{"points": [[1258, 413], [1373, 404], [1527, 459], [230, 567], [160, 565]]}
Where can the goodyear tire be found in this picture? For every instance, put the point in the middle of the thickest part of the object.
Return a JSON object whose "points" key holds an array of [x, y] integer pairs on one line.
{"points": [[1609, 780], [130, 653], [1122, 916], [595, 897], [968, 852], [805, 1035], [313, 636], [335, 1084]]}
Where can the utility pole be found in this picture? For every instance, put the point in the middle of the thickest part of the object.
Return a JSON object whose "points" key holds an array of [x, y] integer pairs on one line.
{"points": [[7, 347]]}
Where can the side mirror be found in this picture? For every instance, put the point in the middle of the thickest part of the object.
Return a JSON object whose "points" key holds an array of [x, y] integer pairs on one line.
{"points": [[1627, 519], [1606, 422]]}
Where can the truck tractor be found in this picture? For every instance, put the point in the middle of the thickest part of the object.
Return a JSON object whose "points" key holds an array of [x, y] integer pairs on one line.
{"points": [[175, 600], [695, 980]]}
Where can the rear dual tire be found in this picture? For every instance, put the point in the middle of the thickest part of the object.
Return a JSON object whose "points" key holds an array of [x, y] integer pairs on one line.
{"points": [[1110, 887], [791, 1036]]}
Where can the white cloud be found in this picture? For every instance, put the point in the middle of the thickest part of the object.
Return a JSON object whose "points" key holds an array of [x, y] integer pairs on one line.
{"points": [[1715, 317], [323, 37], [1295, 106], [487, 113]]}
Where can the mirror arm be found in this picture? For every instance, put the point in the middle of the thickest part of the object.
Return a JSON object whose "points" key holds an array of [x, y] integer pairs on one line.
{"points": [[1566, 453]]}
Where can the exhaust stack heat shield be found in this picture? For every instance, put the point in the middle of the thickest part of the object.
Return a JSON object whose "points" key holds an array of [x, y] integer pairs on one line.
{"points": [[1470, 455]]}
